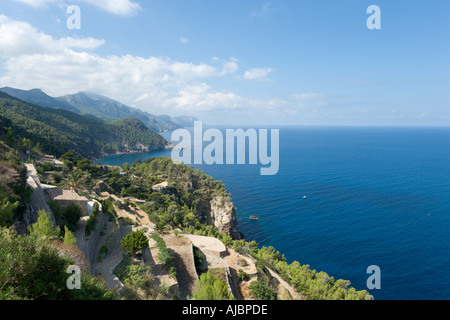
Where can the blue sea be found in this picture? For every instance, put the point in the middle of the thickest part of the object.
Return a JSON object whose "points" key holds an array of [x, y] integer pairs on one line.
{"points": [[375, 196]]}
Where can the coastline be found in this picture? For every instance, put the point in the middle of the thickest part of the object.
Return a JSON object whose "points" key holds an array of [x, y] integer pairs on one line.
{"points": [[169, 146]]}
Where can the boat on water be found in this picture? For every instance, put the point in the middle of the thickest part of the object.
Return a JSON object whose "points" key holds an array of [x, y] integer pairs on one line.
{"points": [[254, 218]]}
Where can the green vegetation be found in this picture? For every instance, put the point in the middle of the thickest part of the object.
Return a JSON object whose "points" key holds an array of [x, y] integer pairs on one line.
{"points": [[31, 269], [102, 252], [12, 180], [92, 220], [6, 210], [134, 242], [259, 290], [184, 205], [66, 215], [311, 284], [164, 255], [211, 288], [56, 131], [69, 237], [44, 228], [138, 281]]}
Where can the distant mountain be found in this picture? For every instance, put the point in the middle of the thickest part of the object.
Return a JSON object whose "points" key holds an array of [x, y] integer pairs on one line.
{"points": [[59, 131], [182, 121], [40, 98], [104, 108]]}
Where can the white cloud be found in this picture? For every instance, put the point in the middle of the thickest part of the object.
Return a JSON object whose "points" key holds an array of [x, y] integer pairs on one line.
{"points": [[258, 73], [37, 3], [159, 85], [61, 66], [306, 96], [184, 40], [118, 7], [18, 38]]}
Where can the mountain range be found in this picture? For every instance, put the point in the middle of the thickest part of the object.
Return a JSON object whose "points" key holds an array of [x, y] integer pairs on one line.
{"points": [[57, 131], [104, 108]]}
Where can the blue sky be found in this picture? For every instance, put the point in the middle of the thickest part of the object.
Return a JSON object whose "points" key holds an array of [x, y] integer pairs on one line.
{"points": [[239, 62]]}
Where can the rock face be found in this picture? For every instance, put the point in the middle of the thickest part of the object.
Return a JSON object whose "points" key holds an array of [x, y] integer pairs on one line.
{"points": [[223, 216]]}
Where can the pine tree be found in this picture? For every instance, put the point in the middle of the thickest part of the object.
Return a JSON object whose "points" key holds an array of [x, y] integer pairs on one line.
{"points": [[134, 242], [69, 237], [44, 227]]}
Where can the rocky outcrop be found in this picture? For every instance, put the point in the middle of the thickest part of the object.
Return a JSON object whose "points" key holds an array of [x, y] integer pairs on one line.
{"points": [[223, 216]]}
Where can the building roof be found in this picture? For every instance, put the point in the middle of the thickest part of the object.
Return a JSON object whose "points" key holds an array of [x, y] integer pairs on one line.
{"points": [[70, 195], [207, 243]]}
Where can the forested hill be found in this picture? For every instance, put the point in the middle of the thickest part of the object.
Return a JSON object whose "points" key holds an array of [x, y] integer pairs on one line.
{"points": [[57, 131], [104, 108]]}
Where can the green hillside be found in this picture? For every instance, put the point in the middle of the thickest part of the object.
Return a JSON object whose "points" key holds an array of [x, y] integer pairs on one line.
{"points": [[58, 131]]}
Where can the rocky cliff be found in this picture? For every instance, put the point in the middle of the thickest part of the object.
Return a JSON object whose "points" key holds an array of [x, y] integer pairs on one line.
{"points": [[223, 216]]}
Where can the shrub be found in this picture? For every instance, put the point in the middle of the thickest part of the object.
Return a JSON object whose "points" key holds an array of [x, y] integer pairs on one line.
{"points": [[6, 210], [44, 228], [57, 177], [261, 291], [72, 213], [242, 275], [134, 242], [69, 237], [30, 269], [211, 288]]}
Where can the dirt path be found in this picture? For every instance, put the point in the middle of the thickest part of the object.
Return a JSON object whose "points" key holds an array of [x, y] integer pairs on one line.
{"points": [[106, 269], [81, 240], [294, 294], [181, 250]]}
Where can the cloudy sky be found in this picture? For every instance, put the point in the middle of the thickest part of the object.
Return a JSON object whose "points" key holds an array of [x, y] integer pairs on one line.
{"points": [[239, 62]]}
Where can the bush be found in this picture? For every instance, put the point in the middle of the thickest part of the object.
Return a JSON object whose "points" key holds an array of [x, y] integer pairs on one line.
{"points": [[6, 210], [92, 288], [138, 282], [30, 269], [134, 242], [44, 228], [118, 204], [69, 237], [242, 275], [72, 213], [103, 251], [261, 291], [211, 288], [57, 177]]}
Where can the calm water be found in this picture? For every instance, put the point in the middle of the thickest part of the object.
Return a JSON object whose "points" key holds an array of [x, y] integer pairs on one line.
{"points": [[375, 196]]}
